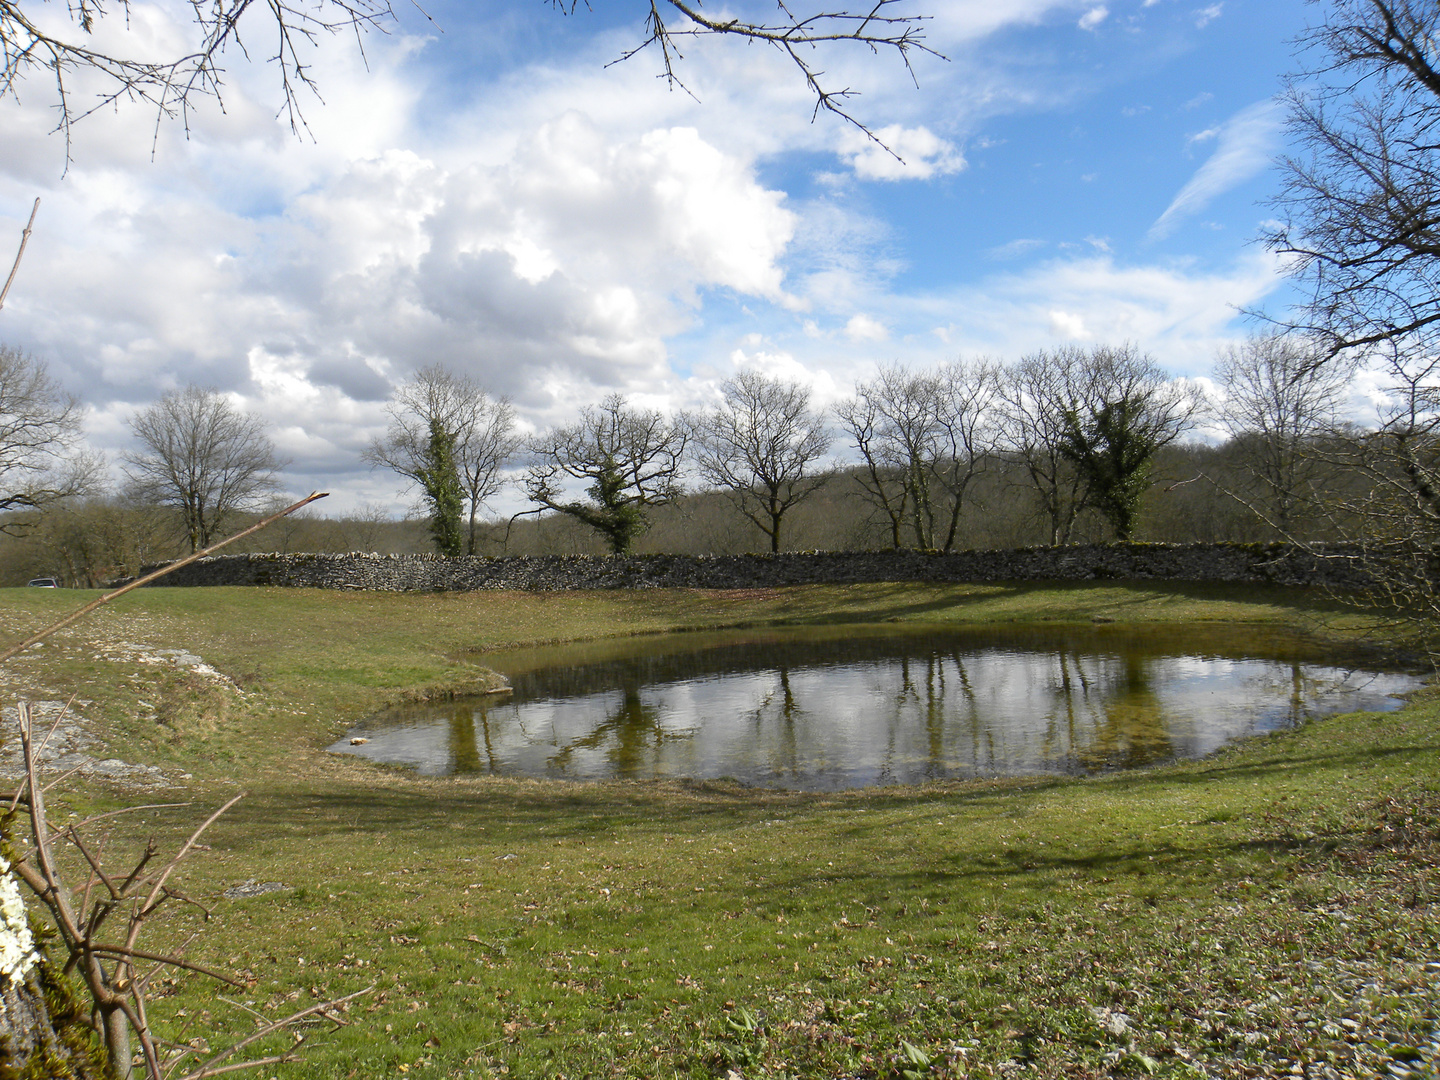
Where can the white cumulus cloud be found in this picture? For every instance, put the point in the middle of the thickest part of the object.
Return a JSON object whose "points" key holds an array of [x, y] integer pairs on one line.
{"points": [[1067, 325], [906, 154], [864, 328]]}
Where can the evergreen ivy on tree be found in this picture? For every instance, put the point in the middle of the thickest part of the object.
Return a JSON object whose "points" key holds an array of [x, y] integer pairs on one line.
{"points": [[1122, 410], [616, 517], [631, 459], [1114, 454], [441, 481]]}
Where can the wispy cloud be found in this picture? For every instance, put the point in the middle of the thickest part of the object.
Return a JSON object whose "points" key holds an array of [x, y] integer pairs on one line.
{"points": [[1204, 16], [1243, 147], [1094, 17], [1015, 248]]}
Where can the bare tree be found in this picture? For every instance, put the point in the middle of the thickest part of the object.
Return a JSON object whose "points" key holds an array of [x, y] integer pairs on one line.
{"points": [[477, 430], [1393, 511], [1279, 403], [883, 481], [923, 439], [761, 445], [630, 460], [1035, 396], [1361, 195], [90, 541], [39, 439], [1085, 426], [174, 85], [202, 457], [1361, 224], [363, 527], [965, 436]]}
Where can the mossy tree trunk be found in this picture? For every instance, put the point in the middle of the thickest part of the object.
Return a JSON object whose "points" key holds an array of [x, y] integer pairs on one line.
{"points": [[43, 1032]]}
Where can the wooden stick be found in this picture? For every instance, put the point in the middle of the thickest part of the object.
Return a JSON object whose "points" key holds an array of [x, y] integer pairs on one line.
{"points": [[24, 239]]}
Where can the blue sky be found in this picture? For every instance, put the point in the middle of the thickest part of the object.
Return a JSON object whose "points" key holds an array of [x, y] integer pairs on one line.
{"points": [[494, 197]]}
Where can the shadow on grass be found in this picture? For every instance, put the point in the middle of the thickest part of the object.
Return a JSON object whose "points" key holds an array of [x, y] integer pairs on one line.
{"points": [[880, 602], [575, 811]]}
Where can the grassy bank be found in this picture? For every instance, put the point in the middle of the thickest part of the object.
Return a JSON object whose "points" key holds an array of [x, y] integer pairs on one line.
{"points": [[1264, 910]]}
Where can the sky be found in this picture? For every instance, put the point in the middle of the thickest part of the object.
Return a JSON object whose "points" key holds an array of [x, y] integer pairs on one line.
{"points": [[487, 190]]}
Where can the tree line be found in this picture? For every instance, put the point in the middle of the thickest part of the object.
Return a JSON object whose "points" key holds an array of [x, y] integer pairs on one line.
{"points": [[1071, 435], [1063, 445]]}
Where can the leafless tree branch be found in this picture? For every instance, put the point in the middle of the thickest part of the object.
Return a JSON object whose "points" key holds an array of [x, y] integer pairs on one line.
{"points": [[87, 78], [797, 36], [107, 969], [761, 445]]}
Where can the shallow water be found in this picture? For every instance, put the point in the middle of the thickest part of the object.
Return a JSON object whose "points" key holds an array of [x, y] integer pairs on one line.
{"points": [[851, 706]]}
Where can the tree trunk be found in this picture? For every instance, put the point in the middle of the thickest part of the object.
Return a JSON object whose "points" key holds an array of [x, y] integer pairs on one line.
{"points": [[30, 1043], [25, 1026]]}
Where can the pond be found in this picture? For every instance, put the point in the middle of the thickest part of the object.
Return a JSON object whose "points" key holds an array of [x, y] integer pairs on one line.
{"points": [[850, 706]]}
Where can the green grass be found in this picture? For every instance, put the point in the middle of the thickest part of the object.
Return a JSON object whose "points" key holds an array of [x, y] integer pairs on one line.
{"points": [[1265, 908]]}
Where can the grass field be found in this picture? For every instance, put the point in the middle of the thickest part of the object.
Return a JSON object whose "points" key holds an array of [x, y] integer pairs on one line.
{"points": [[1265, 911]]}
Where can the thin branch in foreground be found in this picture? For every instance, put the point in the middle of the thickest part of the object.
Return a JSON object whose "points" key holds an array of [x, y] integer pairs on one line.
{"points": [[24, 239], [107, 969], [16, 650], [796, 36], [325, 1009]]}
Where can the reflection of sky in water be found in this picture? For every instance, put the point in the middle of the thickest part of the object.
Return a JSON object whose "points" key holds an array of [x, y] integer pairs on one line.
{"points": [[931, 708]]}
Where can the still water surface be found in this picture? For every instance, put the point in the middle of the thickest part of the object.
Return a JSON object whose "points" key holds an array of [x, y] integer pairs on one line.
{"points": [[842, 707]]}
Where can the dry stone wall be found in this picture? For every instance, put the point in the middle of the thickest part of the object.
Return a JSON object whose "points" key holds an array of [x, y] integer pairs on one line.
{"points": [[1279, 564]]}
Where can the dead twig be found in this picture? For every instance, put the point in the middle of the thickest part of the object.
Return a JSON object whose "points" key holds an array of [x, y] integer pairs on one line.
{"points": [[108, 968]]}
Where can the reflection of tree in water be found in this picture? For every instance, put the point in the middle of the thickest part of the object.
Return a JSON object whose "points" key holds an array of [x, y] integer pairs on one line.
{"points": [[925, 687], [785, 747], [981, 736], [466, 739], [934, 721], [910, 708], [631, 737], [1130, 730], [1072, 711], [1297, 695]]}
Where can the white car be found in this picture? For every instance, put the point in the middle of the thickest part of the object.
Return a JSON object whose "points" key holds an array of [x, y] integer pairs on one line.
{"points": [[43, 583]]}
